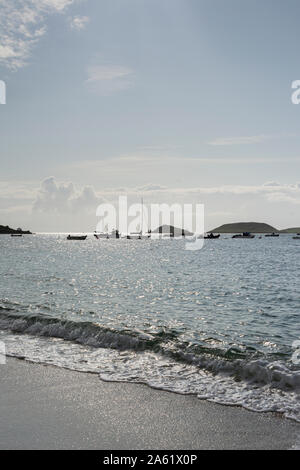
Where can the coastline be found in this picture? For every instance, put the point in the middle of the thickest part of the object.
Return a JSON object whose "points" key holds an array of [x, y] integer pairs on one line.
{"points": [[45, 407]]}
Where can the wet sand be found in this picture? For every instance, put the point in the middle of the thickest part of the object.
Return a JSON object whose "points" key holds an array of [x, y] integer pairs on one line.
{"points": [[45, 407]]}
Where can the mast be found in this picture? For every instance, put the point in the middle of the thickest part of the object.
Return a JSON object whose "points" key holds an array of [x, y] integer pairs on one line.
{"points": [[142, 217]]}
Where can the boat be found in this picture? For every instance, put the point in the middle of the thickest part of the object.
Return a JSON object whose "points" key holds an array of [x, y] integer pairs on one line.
{"points": [[100, 236], [16, 234], [107, 235], [114, 234], [139, 235], [76, 237], [134, 236], [297, 237], [211, 236], [272, 234], [244, 235]]}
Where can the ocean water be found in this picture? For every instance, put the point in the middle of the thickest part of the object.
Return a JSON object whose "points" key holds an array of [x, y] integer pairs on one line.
{"points": [[218, 323]]}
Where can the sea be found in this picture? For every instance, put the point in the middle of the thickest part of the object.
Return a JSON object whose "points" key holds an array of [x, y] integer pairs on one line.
{"points": [[221, 323]]}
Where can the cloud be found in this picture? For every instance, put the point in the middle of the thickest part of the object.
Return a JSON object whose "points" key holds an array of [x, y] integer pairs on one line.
{"points": [[107, 79], [63, 206], [22, 24], [254, 139], [151, 187], [271, 184], [139, 168], [79, 22], [276, 197], [64, 198]]}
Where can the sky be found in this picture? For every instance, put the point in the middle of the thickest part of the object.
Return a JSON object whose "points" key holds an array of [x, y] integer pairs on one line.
{"points": [[184, 101]]}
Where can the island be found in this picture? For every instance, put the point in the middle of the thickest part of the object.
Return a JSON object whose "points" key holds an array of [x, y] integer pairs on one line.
{"points": [[291, 230], [172, 231], [241, 227], [6, 230]]}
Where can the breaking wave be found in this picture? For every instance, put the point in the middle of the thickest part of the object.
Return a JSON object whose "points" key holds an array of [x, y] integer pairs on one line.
{"points": [[256, 371]]}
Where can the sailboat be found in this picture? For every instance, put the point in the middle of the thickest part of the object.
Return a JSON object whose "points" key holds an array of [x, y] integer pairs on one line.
{"points": [[139, 235], [106, 234]]}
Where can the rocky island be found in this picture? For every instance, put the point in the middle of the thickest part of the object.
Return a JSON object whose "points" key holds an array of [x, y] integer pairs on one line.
{"points": [[6, 230]]}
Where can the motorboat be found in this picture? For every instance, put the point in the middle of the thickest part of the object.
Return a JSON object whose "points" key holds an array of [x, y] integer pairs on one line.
{"points": [[211, 236], [244, 235], [76, 237], [272, 234]]}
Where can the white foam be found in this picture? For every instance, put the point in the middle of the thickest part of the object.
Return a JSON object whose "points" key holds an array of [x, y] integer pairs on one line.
{"points": [[162, 372]]}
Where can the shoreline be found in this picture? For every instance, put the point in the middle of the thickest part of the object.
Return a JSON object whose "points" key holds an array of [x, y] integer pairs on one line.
{"points": [[46, 407]]}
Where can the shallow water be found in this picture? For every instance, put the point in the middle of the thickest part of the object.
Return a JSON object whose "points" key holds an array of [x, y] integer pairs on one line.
{"points": [[219, 322]]}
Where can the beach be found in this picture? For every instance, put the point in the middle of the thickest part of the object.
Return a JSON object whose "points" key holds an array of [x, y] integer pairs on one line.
{"points": [[45, 407]]}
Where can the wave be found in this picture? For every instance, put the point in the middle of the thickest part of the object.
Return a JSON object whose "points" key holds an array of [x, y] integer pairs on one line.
{"points": [[86, 333], [261, 371]]}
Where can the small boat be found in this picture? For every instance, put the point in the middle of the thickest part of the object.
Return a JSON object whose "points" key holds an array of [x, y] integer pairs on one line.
{"points": [[107, 235], [138, 236], [272, 234], [211, 236], [100, 236], [297, 237], [244, 235], [16, 234], [76, 237]]}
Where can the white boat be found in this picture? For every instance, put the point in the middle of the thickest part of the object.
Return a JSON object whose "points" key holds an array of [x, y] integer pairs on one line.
{"points": [[107, 235], [139, 235], [101, 235]]}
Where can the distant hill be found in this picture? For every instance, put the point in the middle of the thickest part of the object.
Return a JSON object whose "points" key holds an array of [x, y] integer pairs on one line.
{"points": [[178, 232], [253, 227], [6, 230], [291, 230]]}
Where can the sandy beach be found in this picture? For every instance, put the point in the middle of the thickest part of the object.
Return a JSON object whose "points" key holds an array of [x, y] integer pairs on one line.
{"points": [[45, 407]]}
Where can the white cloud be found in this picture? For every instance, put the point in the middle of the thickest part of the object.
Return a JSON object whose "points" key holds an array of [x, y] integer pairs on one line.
{"points": [[79, 22], [107, 79], [152, 187], [22, 24], [254, 139], [136, 169], [282, 196], [56, 205], [271, 184], [64, 198]]}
